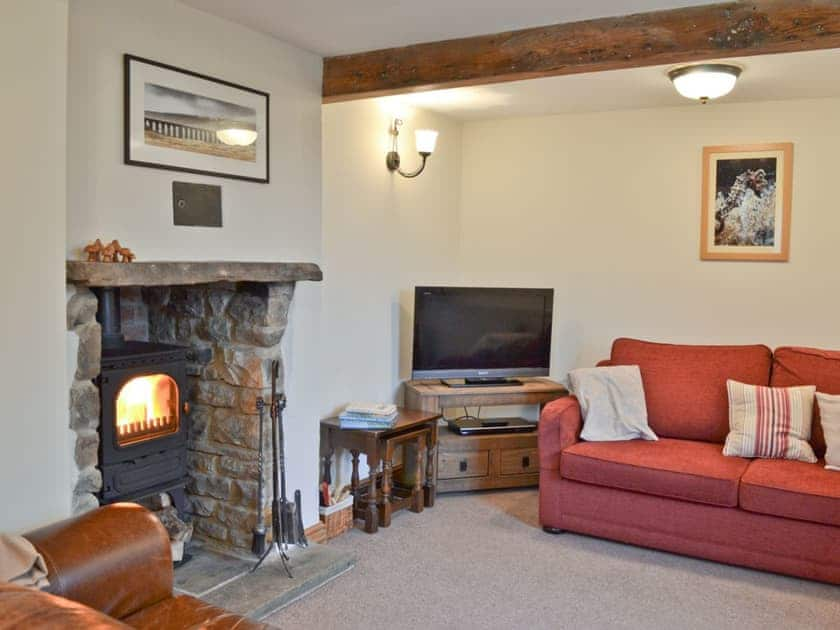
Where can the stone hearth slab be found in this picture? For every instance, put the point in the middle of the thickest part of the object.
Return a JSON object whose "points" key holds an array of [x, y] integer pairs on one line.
{"points": [[156, 274], [207, 570], [258, 595]]}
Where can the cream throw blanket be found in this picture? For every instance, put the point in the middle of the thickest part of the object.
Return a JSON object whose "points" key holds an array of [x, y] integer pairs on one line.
{"points": [[21, 564]]}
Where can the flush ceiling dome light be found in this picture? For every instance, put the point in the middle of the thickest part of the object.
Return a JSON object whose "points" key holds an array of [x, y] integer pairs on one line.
{"points": [[237, 137], [705, 81]]}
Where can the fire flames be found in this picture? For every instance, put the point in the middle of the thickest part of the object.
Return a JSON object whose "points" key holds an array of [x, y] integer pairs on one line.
{"points": [[147, 406]]}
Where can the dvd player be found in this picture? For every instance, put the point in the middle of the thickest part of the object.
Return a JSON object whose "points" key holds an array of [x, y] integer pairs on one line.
{"points": [[472, 426]]}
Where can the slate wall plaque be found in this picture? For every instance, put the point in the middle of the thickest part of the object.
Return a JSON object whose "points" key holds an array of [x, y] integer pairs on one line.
{"points": [[197, 204]]}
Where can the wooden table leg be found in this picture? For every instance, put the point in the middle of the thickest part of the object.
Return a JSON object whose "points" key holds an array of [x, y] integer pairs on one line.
{"points": [[430, 489], [328, 466], [372, 512], [417, 496], [387, 485], [354, 485]]}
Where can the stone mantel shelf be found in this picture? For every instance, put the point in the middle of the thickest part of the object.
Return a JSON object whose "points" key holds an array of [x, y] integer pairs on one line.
{"points": [[151, 274]]}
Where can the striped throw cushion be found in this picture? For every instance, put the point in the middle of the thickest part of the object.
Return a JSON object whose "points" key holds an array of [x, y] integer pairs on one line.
{"points": [[770, 422]]}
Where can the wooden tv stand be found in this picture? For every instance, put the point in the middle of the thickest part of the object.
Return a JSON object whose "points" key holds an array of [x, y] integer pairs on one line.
{"points": [[483, 462]]}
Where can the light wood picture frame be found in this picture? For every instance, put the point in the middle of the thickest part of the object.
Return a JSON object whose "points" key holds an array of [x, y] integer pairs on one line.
{"points": [[746, 205]]}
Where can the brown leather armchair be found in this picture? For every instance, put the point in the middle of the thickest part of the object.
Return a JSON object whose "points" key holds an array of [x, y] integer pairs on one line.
{"points": [[115, 560]]}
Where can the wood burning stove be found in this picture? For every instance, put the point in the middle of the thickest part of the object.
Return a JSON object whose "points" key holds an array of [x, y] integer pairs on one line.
{"points": [[144, 417]]}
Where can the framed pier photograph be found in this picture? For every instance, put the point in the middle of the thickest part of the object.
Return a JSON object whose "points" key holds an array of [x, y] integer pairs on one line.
{"points": [[184, 121]]}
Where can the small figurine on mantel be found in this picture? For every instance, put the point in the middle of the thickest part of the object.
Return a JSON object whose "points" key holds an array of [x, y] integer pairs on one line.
{"points": [[125, 254], [109, 252], [112, 252], [94, 251]]}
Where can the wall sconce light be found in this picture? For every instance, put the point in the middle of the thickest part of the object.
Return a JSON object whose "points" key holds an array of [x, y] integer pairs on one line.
{"points": [[426, 139]]}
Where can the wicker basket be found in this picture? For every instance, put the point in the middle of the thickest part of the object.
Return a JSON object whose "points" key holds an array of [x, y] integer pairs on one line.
{"points": [[338, 518]]}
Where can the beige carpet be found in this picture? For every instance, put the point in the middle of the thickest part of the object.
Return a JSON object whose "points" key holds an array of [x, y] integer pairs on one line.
{"points": [[481, 561]]}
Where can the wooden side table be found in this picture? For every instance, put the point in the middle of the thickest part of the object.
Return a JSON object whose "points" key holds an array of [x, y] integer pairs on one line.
{"points": [[483, 462], [375, 504]]}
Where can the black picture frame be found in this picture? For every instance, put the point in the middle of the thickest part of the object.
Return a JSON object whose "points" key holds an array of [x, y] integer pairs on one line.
{"points": [[130, 159]]}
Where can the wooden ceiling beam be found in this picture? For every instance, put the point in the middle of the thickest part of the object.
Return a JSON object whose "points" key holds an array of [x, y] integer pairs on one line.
{"points": [[661, 37]]}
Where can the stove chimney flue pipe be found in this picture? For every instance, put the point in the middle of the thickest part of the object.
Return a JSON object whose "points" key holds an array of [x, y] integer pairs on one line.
{"points": [[108, 316]]}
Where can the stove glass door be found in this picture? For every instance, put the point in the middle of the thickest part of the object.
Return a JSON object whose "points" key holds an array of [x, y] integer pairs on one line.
{"points": [[147, 408]]}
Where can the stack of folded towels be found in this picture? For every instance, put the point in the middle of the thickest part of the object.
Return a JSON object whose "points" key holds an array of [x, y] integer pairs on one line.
{"points": [[368, 416]]}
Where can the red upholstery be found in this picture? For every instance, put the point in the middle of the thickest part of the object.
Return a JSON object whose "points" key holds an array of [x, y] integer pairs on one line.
{"points": [[792, 489], [733, 536], [682, 495], [550, 497], [808, 366], [685, 386], [559, 427], [680, 469]]}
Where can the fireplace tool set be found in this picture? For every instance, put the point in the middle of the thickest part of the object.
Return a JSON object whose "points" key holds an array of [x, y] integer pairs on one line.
{"points": [[286, 516]]}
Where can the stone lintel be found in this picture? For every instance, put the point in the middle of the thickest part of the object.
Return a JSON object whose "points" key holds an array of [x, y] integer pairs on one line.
{"points": [[156, 274]]}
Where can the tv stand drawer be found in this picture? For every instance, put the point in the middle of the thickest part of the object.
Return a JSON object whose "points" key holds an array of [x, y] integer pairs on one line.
{"points": [[502, 460], [518, 461], [461, 465]]}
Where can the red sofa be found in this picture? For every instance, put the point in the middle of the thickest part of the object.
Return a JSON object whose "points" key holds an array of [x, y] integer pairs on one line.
{"points": [[680, 494]]}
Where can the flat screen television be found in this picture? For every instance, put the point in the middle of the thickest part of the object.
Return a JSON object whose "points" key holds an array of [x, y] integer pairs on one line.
{"points": [[482, 335]]}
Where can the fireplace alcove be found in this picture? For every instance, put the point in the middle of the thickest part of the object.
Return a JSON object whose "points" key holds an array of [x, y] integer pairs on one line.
{"points": [[199, 341]]}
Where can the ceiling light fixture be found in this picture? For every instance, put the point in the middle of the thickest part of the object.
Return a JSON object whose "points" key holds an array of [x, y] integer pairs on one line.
{"points": [[237, 137], [425, 140], [705, 81]]}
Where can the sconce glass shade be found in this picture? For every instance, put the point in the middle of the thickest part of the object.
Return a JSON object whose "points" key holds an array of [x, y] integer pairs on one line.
{"points": [[237, 137], [706, 81], [426, 139]]}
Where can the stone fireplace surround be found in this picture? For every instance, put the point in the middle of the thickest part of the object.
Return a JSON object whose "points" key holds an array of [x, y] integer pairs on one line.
{"points": [[233, 315]]}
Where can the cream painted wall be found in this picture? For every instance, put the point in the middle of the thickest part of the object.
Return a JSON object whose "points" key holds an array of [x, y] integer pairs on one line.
{"points": [[35, 450], [280, 221], [276, 221], [383, 235], [605, 208]]}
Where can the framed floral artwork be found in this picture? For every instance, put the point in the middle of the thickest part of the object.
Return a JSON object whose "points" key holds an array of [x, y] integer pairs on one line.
{"points": [[746, 205]]}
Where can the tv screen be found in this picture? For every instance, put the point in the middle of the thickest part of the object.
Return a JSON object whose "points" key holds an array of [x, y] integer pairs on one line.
{"points": [[462, 332]]}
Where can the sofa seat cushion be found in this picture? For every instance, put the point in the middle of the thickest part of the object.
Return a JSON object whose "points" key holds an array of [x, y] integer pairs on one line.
{"points": [[28, 608], [685, 385], [791, 489], [678, 469], [188, 612]]}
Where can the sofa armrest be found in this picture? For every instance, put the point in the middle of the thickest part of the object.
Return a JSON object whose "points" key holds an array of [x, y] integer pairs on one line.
{"points": [[559, 427], [116, 559]]}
